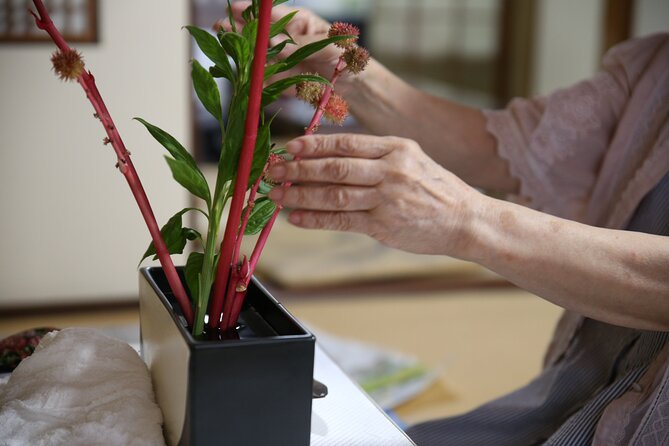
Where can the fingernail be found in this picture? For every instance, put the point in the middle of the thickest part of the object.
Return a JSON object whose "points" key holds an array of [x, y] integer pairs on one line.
{"points": [[277, 172], [295, 146], [276, 194], [295, 218]]}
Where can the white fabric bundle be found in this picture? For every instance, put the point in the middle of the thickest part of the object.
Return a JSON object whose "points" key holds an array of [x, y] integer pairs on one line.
{"points": [[80, 388]]}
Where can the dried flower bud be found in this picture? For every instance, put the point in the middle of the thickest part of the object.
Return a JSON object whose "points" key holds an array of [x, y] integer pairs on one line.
{"points": [[274, 159], [344, 29], [336, 109], [310, 92], [356, 58], [67, 64]]}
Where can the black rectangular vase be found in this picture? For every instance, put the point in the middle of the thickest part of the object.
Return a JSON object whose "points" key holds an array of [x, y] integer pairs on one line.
{"points": [[255, 390]]}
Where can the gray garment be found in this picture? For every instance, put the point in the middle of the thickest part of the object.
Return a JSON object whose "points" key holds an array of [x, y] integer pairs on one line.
{"points": [[564, 403]]}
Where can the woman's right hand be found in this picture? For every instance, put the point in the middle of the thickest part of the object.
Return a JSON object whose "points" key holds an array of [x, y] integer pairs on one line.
{"points": [[305, 27]]}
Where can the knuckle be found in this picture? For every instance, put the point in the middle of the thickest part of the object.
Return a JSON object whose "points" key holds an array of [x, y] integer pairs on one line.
{"points": [[341, 222], [338, 170], [338, 197]]}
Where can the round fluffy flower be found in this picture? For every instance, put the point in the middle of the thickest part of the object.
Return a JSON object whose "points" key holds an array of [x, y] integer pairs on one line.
{"points": [[356, 58], [310, 92], [336, 110], [344, 29], [274, 158], [68, 65]]}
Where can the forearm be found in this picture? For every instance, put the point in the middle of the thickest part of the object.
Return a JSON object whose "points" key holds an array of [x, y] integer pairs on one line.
{"points": [[620, 277], [454, 135]]}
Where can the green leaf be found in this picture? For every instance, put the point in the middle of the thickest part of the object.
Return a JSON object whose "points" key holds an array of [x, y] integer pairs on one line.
{"points": [[174, 235], [213, 50], [207, 90], [192, 272], [232, 144], [272, 92], [264, 188], [252, 11], [261, 151], [216, 71], [250, 31], [279, 26], [191, 179], [263, 210], [236, 47], [276, 49], [231, 19], [271, 70], [307, 50], [170, 143], [278, 2]]}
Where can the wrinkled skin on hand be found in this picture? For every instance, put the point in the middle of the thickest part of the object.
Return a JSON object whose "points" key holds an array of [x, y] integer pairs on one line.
{"points": [[385, 187]]}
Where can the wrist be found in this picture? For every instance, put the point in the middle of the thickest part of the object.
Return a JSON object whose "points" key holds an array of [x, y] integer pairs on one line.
{"points": [[479, 228]]}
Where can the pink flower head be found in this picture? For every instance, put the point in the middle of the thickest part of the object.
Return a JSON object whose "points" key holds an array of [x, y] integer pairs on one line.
{"points": [[310, 92], [67, 64], [274, 158], [336, 109], [356, 58], [344, 29]]}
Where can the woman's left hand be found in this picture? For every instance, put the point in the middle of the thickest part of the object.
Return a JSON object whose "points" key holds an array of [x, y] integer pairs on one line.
{"points": [[385, 187]]}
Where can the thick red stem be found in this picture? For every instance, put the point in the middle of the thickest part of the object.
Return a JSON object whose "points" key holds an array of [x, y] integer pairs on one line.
{"points": [[245, 218], [87, 81], [264, 234], [245, 162]]}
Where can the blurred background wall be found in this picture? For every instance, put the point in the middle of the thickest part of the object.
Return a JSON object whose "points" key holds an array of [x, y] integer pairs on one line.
{"points": [[70, 229]]}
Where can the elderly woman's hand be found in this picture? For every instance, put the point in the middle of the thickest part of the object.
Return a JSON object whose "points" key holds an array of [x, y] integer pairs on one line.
{"points": [[385, 187]]}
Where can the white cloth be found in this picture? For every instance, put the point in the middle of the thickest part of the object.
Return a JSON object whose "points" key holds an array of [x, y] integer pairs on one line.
{"points": [[80, 388]]}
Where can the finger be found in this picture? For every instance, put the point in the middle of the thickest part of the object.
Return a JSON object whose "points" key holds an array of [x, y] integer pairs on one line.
{"points": [[341, 144], [334, 221], [326, 198], [350, 171]]}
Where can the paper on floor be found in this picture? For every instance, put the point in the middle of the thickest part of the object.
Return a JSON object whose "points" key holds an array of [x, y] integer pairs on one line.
{"points": [[80, 388]]}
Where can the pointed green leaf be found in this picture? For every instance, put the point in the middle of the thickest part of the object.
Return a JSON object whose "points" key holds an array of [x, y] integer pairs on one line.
{"points": [[231, 19], [279, 26], [250, 31], [191, 179], [272, 92], [276, 49], [261, 151], [278, 2], [174, 235], [232, 144], [170, 143], [212, 49], [236, 47], [271, 70], [307, 50], [216, 71], [251, 12], [260, 215], [192, 272], [207, 90]]}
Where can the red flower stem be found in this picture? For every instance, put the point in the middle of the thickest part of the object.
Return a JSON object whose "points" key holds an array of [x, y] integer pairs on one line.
{"points": [[327, 92], [245, 218], [264, 234], [228, 301], [87, 82], [245, 162]]}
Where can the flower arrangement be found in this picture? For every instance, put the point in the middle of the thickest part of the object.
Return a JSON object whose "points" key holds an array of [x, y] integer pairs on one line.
{"points": [[218, 277]]}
